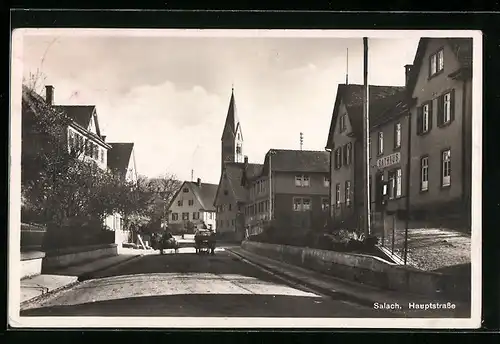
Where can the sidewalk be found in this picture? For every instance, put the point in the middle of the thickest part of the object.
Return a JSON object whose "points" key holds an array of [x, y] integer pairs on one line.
{"points": [[354, 292], [37, 286]]}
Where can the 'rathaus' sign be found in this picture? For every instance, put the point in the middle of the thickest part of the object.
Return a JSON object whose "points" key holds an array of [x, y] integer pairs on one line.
{"points": [[389, 160]]}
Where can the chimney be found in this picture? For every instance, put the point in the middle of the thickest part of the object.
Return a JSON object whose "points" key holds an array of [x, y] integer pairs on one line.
{"points": [[408, 68], [198, 181], [49, 94], [246, 160]]}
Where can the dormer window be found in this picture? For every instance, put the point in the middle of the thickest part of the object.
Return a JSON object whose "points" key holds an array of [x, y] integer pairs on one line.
{"points": [[436, 63]]}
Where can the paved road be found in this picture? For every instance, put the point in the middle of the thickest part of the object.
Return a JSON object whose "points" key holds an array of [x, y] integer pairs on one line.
{"points": [[186, 284]]}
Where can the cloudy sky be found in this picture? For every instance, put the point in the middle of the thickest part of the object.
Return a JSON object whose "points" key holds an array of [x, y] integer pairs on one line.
{"points": [[169, 95]]}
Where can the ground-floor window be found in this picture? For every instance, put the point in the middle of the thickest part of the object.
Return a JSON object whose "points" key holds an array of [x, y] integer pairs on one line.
{"points": [[301, 204], [446, 168]]}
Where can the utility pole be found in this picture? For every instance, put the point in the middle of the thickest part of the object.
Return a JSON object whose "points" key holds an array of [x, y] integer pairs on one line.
{"points": [[408, 173], [301, 140], [366, 135], [347, 68]]}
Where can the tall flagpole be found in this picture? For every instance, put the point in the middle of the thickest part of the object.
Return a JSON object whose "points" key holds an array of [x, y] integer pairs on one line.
{"points": [[366, 135]]}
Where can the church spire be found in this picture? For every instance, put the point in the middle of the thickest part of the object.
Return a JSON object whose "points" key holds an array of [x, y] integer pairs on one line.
{"points": [[232, 137]]}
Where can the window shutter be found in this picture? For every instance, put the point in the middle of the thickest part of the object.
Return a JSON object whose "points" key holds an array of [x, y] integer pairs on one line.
{"points": [[452, 105], [419, 120], [340, 157], [344, 148], [440, 114], [349, 148], [431, 107]]}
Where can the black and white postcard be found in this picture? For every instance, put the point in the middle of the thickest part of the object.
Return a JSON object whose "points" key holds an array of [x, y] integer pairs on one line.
{"points": [[245, 178]]}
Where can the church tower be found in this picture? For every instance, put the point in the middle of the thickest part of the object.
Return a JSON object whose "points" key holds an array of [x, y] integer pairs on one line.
{"points": [[232, 137]]}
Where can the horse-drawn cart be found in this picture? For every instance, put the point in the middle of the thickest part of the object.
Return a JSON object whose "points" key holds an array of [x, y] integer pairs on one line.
{"points": [[164, 241], [204, 241]]}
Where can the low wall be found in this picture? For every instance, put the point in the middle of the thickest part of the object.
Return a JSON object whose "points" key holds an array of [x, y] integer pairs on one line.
{"points": [[362, 268], [76, 255], [31, 263], [32, 237]]}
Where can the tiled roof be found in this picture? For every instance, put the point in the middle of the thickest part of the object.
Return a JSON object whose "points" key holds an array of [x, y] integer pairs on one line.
{"points": [[236, 173], [381, 99], [462, 47], [119, 156], [205, 193], [81, 114], [284, 160], [232, 121]]}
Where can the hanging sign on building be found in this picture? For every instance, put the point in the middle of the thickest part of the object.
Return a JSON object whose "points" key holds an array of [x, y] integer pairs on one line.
{"points": [[389, 160]]}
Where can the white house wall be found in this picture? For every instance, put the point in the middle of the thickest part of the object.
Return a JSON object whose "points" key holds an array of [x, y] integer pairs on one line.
{"points": [[185, 208]]}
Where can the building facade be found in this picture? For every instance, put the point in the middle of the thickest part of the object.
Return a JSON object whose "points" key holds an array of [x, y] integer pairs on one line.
{"points": [[427, 120], [345, 143], [231, 199], [121, 161], [292, 191], [193, 203], [440, 87]]}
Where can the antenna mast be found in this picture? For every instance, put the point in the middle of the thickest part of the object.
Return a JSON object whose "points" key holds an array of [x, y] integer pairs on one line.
{"points": [[301, 140], [192, 175]]}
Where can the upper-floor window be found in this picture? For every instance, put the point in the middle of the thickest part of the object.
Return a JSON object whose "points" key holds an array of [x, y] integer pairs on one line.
{"points": [[348, 153], [343, 126], [397, 135], [302, 181], [380, 142], [185, 190], [424, 118], [338, 158], [337, 194], [326, 182], [191, 202], [436, 63], [446, 168], [185, 216], [445, 108], [369, 148], [175, 216], [238, 149], [196, 216], [424, 173], [179, 203]]}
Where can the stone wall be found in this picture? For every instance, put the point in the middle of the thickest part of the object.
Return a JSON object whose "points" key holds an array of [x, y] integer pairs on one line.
{"points": [[360, 268]]}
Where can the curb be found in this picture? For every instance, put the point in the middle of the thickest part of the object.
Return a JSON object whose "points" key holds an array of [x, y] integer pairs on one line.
{"points": [[47, 293], [81, 278], [322, 290], [88, 275], [336, 295]]}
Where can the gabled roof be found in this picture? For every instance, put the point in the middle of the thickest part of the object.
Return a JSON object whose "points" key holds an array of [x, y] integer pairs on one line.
{"points": [[119, 156], [81, 114], [284, 160], [381, 98], [236, 173], [232, 122], [462, 47], [205, 193]]}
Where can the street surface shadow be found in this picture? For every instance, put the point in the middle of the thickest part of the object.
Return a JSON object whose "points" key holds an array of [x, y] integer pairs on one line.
{"points": [[213, 305]]}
